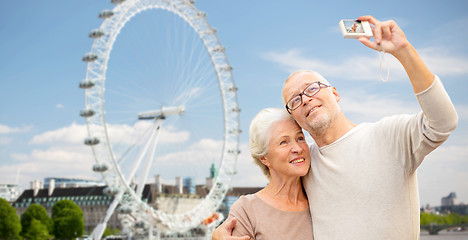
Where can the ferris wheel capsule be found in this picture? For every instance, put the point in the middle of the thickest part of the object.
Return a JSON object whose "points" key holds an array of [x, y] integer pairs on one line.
{"points": [[86, 84], [236, 109], [87, 112], [232, 88], [117, 1], [111, 191], [91, 141], [225, 68], [189, 2], [234, 151], [124, 210], [106, 14], [235, 131], [201, 15], [100, 167], [140, 224], [89, 57], [96, 33], [219, 49]]}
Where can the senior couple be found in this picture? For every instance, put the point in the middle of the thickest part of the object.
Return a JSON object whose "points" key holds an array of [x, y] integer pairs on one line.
{"points": [[354, 181]]}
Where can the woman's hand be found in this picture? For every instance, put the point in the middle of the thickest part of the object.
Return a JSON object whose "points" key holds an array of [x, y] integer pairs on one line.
{"points": [[224, 231]]}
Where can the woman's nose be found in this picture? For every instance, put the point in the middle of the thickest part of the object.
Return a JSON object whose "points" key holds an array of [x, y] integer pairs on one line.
{"points": [[296, 148]]}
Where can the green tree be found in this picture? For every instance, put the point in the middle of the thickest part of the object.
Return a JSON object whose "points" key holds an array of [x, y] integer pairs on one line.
{"points": [[109, 231], [68, 220], [10, 226], [428, 218], [37, 231], [452, 219], [35, 212], [448, 219]]}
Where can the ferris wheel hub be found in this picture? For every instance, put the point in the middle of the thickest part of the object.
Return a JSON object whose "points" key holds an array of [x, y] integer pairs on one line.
{"points": [[162, 113]]}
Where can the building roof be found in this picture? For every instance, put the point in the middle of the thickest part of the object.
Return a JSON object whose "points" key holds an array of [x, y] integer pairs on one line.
{"points": [[238, 191], [149, 192]]}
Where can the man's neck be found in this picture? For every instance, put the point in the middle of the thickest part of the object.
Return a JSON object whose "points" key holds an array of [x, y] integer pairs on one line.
{"points": [[333, 132]]}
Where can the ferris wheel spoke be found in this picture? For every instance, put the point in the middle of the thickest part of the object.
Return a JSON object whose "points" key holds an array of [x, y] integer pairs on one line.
{"points": [[149, 158], [141, 155]]}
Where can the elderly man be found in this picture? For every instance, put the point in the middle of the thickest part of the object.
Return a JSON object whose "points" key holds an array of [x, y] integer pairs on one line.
{"points": [[362, 183]]}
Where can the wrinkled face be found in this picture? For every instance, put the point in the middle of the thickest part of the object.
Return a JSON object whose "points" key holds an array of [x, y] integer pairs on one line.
{"points": [[316, 113], [288, 152]]}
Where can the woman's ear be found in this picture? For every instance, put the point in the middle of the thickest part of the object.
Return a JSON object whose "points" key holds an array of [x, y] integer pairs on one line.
{"points": [[264, 160]]}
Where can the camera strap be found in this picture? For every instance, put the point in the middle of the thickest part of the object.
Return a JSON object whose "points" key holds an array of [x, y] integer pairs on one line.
{"points": [[380, 69]]}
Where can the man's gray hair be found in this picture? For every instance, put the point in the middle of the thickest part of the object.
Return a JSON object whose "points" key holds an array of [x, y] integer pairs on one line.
{"points": [[319, 76]]}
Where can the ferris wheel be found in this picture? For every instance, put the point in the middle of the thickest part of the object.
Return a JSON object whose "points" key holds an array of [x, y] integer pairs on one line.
{"points": [[165, 103]]}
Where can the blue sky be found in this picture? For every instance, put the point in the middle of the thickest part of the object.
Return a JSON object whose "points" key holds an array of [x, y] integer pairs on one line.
{"points": [[41, 133]]}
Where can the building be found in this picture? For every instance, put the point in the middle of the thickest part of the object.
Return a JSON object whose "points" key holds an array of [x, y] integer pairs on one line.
{"points": [[449, 204], [181, 197], [232, 195], [92, 201], [71, 182], [10, 192], [450, 200]]}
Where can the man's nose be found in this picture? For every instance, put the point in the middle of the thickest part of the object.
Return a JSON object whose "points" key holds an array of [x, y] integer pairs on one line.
{"points": [[305, 99]]}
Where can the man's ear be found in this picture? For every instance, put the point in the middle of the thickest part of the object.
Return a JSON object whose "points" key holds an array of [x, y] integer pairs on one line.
{"points": [[337, 95]]}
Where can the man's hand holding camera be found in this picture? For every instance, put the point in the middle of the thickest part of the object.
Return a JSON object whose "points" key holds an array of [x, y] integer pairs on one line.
{"points": [[388, 37]]}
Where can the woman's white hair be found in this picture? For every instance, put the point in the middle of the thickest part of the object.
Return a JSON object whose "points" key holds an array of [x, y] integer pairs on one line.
{"points": [[260, 129]]}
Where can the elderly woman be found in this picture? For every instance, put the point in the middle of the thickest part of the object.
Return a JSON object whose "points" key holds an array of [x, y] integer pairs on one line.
{"points": [[280, 210]]}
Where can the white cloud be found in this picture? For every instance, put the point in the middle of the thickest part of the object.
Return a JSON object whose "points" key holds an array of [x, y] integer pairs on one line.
{"points": [[74, 161], [248, 173], [59, 106], [125, 134], [73, 134], [353, 68], [206, 150], [368, 67], [62, 154], [462, 111], [442, 62], [360, 106], [20, 156], [5, 140], [6, 129], [443, 171]]}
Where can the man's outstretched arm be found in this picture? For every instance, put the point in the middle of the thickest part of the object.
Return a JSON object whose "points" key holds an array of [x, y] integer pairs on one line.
{"points": [[390, 38], [224, 231], [438, 109]]}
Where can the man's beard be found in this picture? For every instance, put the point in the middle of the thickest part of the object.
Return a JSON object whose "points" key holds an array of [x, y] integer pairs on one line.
{"points": [[322, 123], [319, 126]]}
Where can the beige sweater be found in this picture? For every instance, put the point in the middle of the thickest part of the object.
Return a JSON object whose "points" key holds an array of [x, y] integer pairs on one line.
{"points": [[261, 221], [364, 185]]}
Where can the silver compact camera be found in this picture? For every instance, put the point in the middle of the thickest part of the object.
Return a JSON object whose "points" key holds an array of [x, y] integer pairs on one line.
{"points": [[355, 29]]}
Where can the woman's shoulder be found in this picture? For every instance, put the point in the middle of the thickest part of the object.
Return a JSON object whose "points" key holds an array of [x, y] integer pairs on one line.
{"points": [[244, 206], [246, 200], [248, 197]]}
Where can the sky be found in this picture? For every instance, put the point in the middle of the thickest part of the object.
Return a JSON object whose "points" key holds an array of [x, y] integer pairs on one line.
{"points": [[42, 43]]}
